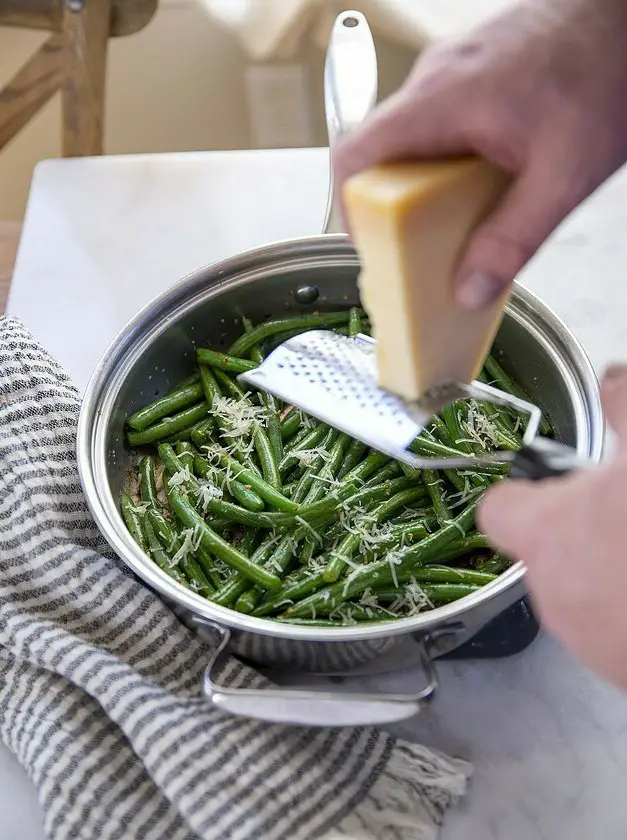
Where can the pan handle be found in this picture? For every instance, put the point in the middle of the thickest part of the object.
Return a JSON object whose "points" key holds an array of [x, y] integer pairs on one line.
{"points": [[351, 83], [311, 707]]}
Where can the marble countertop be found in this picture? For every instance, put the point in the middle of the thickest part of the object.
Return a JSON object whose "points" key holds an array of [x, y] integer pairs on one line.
{"points": [[104, 236]]}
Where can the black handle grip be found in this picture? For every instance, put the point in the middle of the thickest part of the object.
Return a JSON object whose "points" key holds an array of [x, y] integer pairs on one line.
{"points": [[545, 458]]}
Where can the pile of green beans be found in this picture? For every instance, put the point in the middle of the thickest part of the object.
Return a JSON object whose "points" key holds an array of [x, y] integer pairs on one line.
{"points": [[262, 509]]}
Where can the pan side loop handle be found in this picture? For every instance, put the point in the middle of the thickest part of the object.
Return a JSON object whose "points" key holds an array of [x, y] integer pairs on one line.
{"points": [[311, 707], [351, 83]]}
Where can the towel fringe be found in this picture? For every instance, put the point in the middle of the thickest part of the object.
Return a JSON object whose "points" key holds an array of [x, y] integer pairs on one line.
{"points": [[409, 799]]}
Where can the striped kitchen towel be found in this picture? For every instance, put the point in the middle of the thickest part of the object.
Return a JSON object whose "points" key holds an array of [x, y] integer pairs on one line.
{"points": [[100, 683]]}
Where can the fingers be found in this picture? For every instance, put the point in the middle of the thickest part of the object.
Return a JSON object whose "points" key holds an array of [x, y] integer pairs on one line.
{"points": [[504, 515], [538, 200], [404, 127], [614, 394], [531, 521], [418, 126]]}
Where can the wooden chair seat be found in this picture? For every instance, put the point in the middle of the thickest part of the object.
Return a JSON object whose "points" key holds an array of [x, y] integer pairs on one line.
{"points": [[125, 16]]}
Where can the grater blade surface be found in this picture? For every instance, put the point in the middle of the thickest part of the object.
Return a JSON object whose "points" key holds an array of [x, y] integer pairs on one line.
{"points": [[334, 378]]}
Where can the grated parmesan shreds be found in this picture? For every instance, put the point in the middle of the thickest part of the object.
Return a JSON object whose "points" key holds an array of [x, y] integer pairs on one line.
{"points": [[331, 482], [224, 571], [179, 478], [140, 508], [273, 541], [215, 476], [272, 563], [349, 579], [223, 477], [352, 564], [212, 453], [228, 477], [372, 534], [480, 428], [240, 447], [159, 482], [456, 524], [369, 599], [191, 541], [413, 600], [346, 612], [393, 558], [417, 596], [469, 488], [197, 537], [308, 527], [239, 420], [306, 457], [343, 614], [208, 492], [286, 602], [409, 514], [457, 498], [307, 422], [317, 564]]}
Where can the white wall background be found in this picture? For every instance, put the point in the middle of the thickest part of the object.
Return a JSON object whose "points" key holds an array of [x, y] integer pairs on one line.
{"points": [[178, 85]]}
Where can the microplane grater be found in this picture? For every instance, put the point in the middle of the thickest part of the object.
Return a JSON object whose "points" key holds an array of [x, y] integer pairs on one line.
{"points": [[334, 378]]}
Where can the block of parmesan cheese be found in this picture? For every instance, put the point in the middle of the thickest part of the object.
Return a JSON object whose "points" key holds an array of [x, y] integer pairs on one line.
{"points": [[410, 223]]}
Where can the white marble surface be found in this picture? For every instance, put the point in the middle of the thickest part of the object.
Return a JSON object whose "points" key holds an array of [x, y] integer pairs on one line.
{"points": [[102, 237]]}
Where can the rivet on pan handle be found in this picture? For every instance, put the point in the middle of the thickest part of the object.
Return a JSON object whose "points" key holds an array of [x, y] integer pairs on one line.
{"points": [[351, 84], [311, 707]]}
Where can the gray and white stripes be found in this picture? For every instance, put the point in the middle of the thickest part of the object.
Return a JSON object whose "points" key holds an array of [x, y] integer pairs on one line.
{"points": [[99, 681]]}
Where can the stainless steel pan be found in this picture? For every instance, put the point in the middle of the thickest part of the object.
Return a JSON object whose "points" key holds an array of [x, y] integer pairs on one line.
{"points": [[157, 349]]}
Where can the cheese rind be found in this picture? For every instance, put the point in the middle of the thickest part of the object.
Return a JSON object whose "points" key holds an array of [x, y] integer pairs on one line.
{"points": [[410, 224]]}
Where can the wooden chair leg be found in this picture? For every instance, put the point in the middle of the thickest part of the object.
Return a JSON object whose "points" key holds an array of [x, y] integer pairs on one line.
{"points": [[86, 25], [31, 87]]}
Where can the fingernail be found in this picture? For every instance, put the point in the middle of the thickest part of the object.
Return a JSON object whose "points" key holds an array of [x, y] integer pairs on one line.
{"points": [[478, 290], [615, 372]]}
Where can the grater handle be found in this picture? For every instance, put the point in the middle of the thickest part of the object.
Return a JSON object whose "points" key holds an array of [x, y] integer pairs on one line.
{"points": [[544, 458], [351, 83]]}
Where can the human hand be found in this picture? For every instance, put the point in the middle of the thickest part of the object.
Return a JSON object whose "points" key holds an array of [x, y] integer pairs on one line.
{"points": [[571, 534], [541, 91]]}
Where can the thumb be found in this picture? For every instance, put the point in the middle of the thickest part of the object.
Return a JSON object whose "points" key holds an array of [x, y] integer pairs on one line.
{"points": [[614, 395], [503, 515], [534, 205]]}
